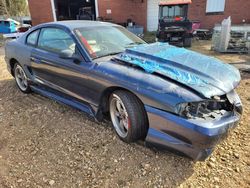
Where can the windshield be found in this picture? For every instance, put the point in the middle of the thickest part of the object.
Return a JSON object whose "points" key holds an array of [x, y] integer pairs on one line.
{"points": [[106, 40], [173, 12]]}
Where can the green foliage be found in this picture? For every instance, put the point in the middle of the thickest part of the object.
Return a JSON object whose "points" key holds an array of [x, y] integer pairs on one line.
{"points": [[149, 37], [14, 7], [3, 8]]}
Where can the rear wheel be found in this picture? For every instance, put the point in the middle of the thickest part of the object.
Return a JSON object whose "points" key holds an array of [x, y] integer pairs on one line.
{"points": [[128, 116], [21, 79], [187, 42]]}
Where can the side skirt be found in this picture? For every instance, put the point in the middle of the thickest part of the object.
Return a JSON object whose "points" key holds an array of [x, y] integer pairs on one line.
{"points": [[71, 102]]}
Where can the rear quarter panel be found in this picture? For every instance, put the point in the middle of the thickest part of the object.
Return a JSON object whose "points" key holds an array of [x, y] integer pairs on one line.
{"points": [[18, 50]]}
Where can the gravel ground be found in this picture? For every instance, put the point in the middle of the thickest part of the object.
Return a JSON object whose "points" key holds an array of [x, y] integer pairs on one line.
{"points": [[47, 144]]}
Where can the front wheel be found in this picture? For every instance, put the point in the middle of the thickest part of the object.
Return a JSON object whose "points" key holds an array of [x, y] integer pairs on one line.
{"points": [[128, 116], [21, 79]]}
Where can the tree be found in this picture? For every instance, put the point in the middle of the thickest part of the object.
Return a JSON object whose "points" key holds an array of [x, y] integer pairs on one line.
{"points": [[14, 8], [3, 8]]}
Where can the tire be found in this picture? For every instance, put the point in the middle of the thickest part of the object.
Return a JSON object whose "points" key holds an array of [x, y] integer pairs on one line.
{"points": [[187, 42], [21, 79], [131, 112]]}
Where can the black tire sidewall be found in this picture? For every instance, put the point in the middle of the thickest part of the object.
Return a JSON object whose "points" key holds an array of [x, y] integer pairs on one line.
{"points": [[136, 116], [187, 42]]}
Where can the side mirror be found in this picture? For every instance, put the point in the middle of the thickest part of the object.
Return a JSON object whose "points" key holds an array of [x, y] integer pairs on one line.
{"points": [[68, 54]]}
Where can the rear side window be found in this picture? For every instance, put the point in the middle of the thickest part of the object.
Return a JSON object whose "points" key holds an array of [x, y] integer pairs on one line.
{"points": [[55, 40], [32, 38]]}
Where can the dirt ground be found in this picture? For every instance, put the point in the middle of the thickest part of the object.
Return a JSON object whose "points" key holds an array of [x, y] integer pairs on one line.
{"points": [[47, 144]]}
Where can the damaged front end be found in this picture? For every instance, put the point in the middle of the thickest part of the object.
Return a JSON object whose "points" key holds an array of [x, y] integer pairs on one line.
{"points": [[206, 75], [192, 128], [211, 109], [197, 127]]}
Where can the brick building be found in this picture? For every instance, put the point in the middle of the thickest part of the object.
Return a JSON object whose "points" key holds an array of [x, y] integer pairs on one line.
{"points": [[239, 10], [143, 12]]}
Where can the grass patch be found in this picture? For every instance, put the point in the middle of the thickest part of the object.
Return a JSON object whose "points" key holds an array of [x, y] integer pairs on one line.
{"points": [[149, 37]]}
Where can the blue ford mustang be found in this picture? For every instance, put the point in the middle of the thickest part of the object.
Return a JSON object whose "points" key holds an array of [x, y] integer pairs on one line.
{"points": [[167, 96]]}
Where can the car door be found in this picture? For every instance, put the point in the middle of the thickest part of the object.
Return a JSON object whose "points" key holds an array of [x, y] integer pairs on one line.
{"points": [[51, 71]]}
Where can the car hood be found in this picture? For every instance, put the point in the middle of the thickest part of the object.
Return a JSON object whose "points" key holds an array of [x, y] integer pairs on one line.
{"points": [[206, 75]]}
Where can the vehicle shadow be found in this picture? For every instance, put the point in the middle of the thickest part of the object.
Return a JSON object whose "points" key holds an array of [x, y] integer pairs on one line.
{"points": [[244, 68], [59, 130]]}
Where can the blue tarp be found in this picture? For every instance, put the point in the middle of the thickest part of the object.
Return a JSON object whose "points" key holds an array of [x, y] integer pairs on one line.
{"points": [[204, 74]]}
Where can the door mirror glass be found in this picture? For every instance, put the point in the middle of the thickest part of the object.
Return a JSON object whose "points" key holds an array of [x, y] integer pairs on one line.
{"points": [[66, 54]]}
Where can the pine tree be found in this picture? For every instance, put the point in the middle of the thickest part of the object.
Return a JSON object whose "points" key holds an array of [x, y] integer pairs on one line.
{"points": [[3, 8], [17, 7], [14, 7]]}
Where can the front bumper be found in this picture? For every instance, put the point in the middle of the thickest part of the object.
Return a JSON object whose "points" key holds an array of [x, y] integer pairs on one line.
{"points": [[193, 138], [172, 36]]}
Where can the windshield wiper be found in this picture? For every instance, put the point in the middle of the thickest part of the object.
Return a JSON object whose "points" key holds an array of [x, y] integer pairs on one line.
{"points": [[133, 44], [110, 54]]}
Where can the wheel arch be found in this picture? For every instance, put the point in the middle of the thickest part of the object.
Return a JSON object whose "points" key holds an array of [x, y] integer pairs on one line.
{"points": [[12, 63], [104, 99]]}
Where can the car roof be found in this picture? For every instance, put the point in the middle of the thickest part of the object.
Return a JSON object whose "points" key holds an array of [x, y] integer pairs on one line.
{"points": [[73, 24]]}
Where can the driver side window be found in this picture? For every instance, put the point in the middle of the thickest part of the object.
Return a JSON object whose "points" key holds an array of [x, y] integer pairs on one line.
{"points": [[56, 40]]}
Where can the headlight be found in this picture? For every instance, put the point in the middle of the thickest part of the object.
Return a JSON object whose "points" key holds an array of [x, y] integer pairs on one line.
{"points": [[235, 99], [205, 109]]}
